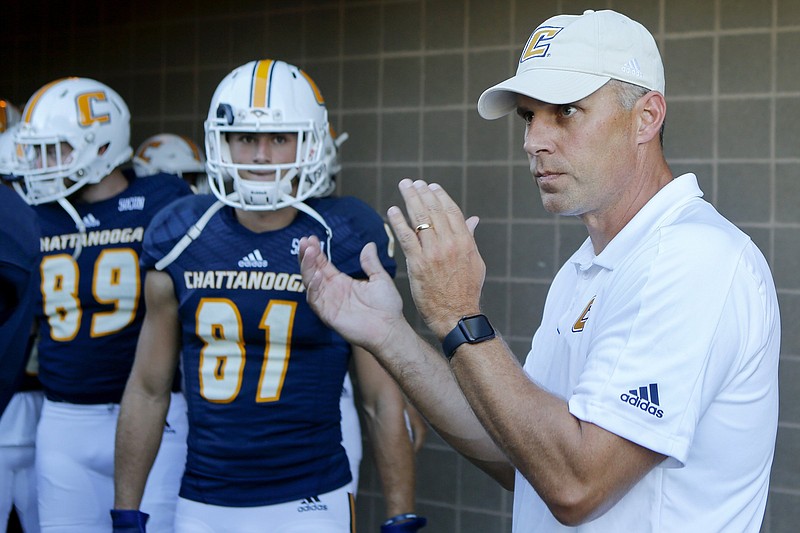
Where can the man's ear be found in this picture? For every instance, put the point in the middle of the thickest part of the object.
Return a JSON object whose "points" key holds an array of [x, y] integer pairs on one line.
{"points": [[652, 110], [102, 149]]}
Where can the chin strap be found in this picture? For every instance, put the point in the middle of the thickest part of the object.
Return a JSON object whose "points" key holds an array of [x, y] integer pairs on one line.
{"points": [[70, 209], [194, 231], [301, 206], [191, 234]]}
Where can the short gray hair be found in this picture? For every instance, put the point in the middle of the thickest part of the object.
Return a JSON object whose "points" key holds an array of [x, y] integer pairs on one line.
{"points": [[628, 94]]}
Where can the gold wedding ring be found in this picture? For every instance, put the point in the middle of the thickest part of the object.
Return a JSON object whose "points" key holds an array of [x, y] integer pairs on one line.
{"points": [[422, 227]]}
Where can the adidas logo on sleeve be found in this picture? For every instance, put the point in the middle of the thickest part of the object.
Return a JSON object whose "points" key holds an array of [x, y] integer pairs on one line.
{"points": [[644, 398]]}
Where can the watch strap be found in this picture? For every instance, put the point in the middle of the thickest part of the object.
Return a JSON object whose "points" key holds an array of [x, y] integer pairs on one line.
{"points": [[470, 329]]}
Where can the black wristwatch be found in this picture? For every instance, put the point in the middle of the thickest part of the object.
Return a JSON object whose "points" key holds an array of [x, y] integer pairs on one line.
{"points": [[471, 329]]}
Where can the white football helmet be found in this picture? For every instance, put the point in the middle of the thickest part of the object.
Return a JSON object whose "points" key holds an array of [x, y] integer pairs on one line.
{"points": [[87, 115], [170, 153], [268, 96], [9, 115]]}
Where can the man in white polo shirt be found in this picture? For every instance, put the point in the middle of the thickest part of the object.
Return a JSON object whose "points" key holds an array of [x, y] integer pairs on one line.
{"points": [[649, 399]]}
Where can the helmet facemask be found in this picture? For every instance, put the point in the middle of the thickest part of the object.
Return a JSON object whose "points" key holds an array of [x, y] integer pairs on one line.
{"points": [[49, 170]]}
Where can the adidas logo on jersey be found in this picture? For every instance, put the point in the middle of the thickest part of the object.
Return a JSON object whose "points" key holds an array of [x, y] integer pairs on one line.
{"points": [[644, 398], [253, 260], [312, 503], [90, 221]]}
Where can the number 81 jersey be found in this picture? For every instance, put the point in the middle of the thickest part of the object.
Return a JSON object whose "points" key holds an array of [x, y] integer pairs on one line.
{"points": [[90, 311], [262, 374]]}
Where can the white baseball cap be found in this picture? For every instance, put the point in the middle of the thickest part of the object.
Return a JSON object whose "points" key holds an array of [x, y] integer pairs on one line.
{"points": [[568, 57]]}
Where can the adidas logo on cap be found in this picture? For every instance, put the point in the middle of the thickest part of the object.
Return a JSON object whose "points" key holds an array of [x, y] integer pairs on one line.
{"points": [[644, 398], [253, 260], [632, 68]]}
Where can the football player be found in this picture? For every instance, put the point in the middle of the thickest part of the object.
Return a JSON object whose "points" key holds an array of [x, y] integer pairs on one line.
{"points": [[72, 139], [263, 375], [19, 404], [20, 392]]}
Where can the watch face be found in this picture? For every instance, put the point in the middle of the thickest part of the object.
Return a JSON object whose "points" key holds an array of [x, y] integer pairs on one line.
{"points": [[477, 327], [471, 329]]}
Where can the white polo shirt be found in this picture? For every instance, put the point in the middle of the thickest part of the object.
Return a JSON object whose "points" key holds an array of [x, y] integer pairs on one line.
{"points": [[669, 338]]}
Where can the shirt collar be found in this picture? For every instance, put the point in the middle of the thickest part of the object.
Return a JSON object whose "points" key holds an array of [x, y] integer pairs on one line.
{"points": [[650, 217]]}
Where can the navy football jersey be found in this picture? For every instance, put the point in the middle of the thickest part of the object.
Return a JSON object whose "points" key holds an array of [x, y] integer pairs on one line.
{"points": [[262, 374], [19, 255], [91, 309]]}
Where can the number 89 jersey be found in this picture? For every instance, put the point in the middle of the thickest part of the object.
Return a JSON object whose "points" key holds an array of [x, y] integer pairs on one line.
{"points": [[90, 311], [262, 374]]}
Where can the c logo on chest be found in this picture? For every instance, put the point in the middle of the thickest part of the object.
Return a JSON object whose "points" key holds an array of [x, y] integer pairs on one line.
{"points": [[579, 324]]}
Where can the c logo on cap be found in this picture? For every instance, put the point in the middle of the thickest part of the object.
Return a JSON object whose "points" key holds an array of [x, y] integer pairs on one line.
{"points": [[539, 42]]}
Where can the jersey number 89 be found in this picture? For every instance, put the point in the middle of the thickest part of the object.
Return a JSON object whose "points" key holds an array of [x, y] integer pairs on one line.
{"points": [[115, 281]]}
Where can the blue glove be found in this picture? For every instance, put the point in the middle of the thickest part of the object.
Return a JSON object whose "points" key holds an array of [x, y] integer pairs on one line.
{"points": [[129, 520], [404, 523]]}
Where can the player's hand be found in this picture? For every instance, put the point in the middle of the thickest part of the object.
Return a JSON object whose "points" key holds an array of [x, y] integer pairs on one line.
{"points": [[129, 520], [445, 270], [404, 523], [365, 312]]}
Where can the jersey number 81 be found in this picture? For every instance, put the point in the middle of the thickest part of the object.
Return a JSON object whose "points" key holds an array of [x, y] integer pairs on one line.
{"points": [[222, 358]]}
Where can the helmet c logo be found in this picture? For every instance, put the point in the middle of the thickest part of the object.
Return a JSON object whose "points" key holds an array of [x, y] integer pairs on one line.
{"points": [[539, 42], [145, 149], [86, 115]]}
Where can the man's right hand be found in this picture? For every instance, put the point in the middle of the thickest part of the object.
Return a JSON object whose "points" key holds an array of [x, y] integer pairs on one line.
{"points": [[365, 312]]}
